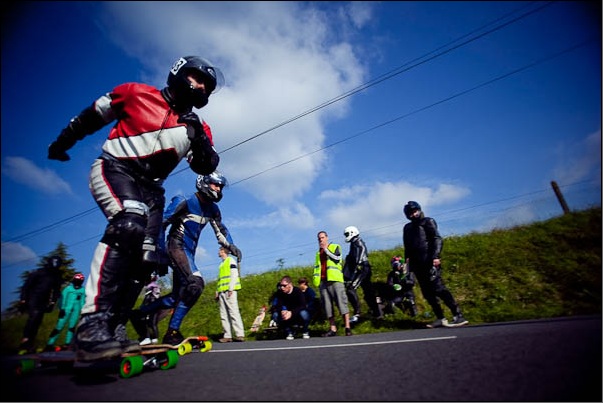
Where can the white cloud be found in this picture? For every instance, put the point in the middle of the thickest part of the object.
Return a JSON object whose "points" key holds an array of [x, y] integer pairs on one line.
{"points": [[24, 171], [579, 160], [379, 204], [279, 59], [295, 215], [360, 12], [13, 253]]}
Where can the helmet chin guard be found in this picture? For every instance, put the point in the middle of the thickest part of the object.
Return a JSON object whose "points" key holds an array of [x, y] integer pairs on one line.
{"points": [[204, 188], [181, 88]]}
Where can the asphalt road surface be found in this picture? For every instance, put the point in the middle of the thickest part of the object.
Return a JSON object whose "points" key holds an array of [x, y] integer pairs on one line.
{"points": [[541, 360]]}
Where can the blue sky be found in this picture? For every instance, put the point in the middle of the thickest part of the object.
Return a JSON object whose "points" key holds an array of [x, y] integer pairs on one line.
{"points": [[333, 114]]}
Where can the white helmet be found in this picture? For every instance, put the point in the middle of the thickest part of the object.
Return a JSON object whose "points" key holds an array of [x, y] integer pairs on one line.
{"points": [[350, 232]]}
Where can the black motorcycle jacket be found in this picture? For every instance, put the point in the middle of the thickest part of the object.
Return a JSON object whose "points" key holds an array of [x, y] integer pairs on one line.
{"points": [[422, 241]]}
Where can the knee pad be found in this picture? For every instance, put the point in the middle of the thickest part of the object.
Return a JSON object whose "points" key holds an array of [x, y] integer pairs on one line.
{"points": [[193, 290], [126, 230]]}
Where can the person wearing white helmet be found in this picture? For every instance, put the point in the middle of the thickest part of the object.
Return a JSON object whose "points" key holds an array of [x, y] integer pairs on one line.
{"points": [[357, 271]]}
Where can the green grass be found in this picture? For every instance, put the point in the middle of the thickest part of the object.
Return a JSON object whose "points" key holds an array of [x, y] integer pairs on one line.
{"points": [[542, 270]]}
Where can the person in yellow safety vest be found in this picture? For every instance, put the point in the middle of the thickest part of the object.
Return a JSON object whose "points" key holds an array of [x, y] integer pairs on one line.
{"points": [[328, 277], [229, 282]]}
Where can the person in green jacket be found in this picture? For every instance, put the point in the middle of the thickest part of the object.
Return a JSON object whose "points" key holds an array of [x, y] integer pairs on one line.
{"points": [[71, 302]]}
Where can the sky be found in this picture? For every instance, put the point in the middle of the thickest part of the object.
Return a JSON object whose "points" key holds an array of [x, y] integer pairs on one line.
{"points": [[333, 114]]}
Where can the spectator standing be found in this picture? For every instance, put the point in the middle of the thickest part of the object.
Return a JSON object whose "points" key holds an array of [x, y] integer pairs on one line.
{"points": [[39, 295], [229, 284], [358, 269], [328, 277], [422, 248]]}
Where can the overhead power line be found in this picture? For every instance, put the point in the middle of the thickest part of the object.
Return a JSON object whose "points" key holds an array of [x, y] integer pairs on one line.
{"points": [[455, 44]]}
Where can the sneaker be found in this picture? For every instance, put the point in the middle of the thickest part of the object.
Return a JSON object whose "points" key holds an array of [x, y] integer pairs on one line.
{"points": [[290, 336], [348, 331], [139, 322], [355, 318], [225, 340], [438, 323], [272, 324], [306, 335], [121, 335], [330, 333], [145, 341], [458, 320], [173, 337], [93, 340], [239, 339], [154, 341]]}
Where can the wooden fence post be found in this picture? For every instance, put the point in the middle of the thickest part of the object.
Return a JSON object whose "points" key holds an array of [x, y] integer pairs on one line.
{"points": [[560, 197]]}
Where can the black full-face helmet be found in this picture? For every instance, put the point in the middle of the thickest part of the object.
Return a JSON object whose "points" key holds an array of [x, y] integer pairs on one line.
{"points": [[181, 88], [411, 207], [203, 182]]}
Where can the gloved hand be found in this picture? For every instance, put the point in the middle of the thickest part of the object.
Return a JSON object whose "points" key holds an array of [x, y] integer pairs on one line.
{"points": [[61, 313], [57, 152], [236, 252], [154, 258], [194, 128]]}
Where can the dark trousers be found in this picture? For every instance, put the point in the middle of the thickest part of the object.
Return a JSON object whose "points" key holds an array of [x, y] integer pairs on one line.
{"points": [[433, 287]]}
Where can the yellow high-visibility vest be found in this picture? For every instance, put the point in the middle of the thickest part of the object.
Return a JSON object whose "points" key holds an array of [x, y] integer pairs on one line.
{"points": [[224, 277], [334, 269]]}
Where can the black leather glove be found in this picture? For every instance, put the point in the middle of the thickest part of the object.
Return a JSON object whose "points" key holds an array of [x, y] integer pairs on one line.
{"points": [[57, 152], [61, 313], [154, 258], [236, 252], [194, 130]]}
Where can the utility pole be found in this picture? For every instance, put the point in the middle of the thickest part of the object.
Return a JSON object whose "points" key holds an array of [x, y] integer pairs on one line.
{"points": [[560, 197]]}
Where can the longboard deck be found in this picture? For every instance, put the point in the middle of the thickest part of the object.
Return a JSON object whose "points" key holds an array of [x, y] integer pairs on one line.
{"points": [[184, 347], [257, 322]]}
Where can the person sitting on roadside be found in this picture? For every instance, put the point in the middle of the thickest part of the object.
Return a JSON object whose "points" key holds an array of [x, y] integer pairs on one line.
{"points": [[292, 308]]}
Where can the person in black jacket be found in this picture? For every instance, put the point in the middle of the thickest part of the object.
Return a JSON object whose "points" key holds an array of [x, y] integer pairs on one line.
{"points": [[357, 273], [39, 295], [291, 304], [422, 248]]}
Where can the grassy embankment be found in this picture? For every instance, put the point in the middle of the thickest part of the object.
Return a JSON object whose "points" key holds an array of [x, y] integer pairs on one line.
{"points": [[541, 270]]}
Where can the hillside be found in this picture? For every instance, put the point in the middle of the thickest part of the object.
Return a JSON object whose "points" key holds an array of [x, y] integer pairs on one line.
{"points": [[545, 269]]}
